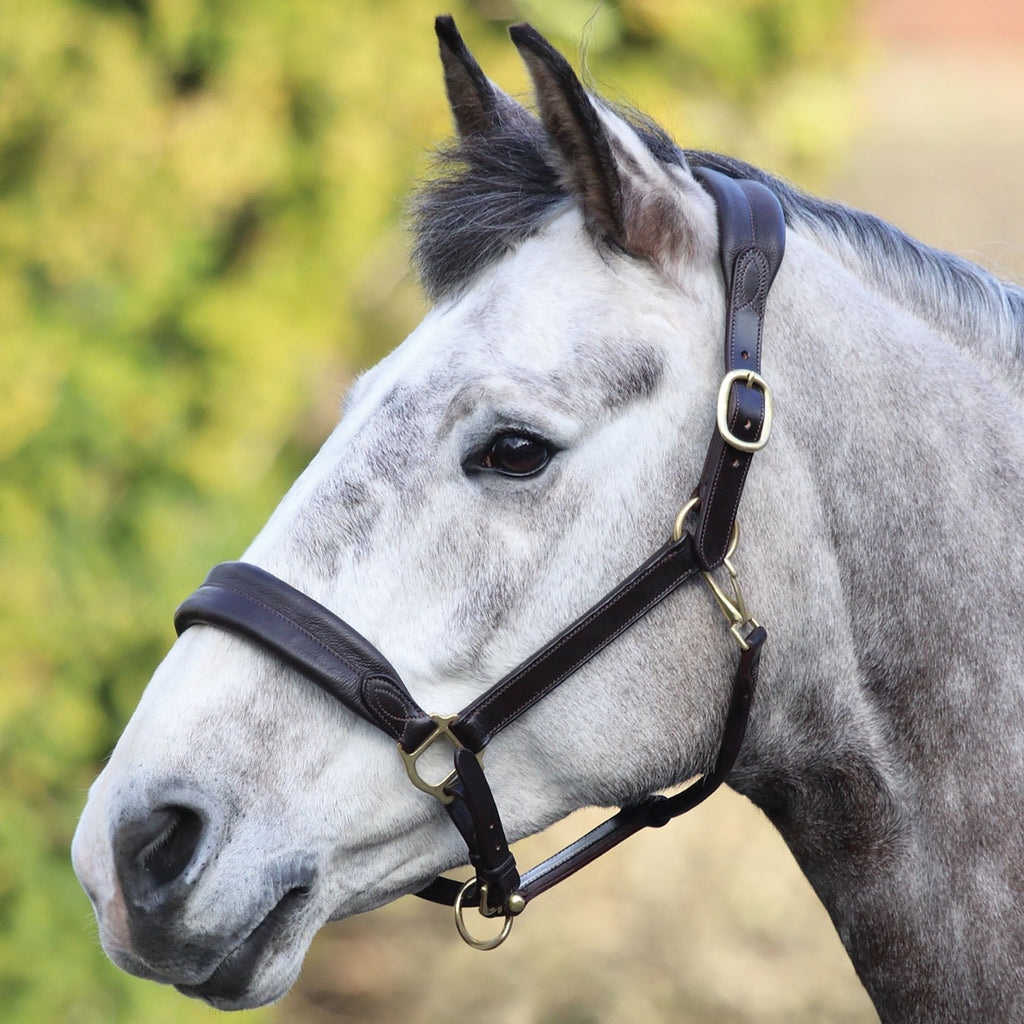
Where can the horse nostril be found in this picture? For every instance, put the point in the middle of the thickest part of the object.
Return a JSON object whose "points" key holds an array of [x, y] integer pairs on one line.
{"points": [[154, 851], [167, 855]]}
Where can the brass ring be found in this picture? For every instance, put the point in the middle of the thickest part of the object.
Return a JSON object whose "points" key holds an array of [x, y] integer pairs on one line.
{"points": [[680, 526], [684, 512], [464, 931]]}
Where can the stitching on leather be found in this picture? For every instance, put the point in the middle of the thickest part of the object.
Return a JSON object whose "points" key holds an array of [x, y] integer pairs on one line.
{"points": [[373, 698], [761, 298], [284, 618], [756, 256], [561, 677], [573, 632], [713, 495], [571, 635], [748, 256], [301, 629]]}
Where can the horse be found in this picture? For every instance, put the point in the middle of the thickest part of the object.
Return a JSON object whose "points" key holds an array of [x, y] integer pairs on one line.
{"points": [[533, 440]]}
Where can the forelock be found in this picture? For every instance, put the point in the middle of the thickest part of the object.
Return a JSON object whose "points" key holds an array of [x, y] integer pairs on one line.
{"points": [[492, 191]]}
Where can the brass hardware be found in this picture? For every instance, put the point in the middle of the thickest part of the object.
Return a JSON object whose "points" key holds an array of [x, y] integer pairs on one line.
{"points": [[443, 730], [752, 380], [515, 900], [741, 622], [516, 904], [684, 512], [484, 909]]}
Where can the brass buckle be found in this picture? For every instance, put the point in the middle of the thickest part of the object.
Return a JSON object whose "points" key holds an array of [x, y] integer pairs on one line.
{"points": [[516, 905], [734, 608], [442, 730], [752, 380]]}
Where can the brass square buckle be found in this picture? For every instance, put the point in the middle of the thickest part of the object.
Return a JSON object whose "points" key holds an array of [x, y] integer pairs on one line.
{"points": [[752, 380], [442, 730]]}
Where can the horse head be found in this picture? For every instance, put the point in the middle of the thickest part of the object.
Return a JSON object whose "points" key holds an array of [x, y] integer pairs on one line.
{"points": [[513, 458]]}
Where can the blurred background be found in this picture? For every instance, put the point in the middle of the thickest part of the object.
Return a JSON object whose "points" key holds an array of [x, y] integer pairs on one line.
{"points": [[200, 244]]}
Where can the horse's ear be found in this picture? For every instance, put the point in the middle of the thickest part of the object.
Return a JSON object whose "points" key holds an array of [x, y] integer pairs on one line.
{"points": [[647, 205], [477, 105], [574, 125]]}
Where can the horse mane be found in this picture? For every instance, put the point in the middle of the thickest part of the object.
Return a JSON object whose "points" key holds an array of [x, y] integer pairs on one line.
{"points": [[948, 292], [492, 191], [488, 194]]}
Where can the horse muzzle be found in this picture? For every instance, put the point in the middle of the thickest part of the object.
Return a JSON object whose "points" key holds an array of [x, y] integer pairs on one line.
{"points": [[162, 919]]}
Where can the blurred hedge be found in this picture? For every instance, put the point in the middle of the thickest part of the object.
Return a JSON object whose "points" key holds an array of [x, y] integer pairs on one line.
{"points": [[198, 245]]}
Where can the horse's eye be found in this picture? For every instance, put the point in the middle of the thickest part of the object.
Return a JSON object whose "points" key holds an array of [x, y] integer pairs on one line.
{"points": [[515, 455]]}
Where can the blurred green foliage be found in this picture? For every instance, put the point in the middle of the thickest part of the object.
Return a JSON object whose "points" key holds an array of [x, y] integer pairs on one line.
{"points": [[198, 245]]}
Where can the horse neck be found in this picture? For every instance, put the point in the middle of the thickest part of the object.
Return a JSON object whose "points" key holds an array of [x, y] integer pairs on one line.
{"points": [[886, 741]]}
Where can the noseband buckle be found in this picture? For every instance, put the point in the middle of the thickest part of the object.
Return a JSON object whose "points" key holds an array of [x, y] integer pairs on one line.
{"points": [[442, 730]]}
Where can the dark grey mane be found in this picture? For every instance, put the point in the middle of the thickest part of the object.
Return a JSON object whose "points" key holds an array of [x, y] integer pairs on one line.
{"points": [[492, 192], [942, 288]]}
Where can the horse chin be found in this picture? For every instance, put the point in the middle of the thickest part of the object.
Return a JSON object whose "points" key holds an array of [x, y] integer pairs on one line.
{"points": [[258, 969], [263, 966]]}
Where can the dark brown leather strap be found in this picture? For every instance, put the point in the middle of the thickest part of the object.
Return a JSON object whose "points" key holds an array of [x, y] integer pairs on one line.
{"points": [[250, 602], [740, 701], [476, 817], [636, 595], [752, 240], [254, 604], [651, 813]]}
